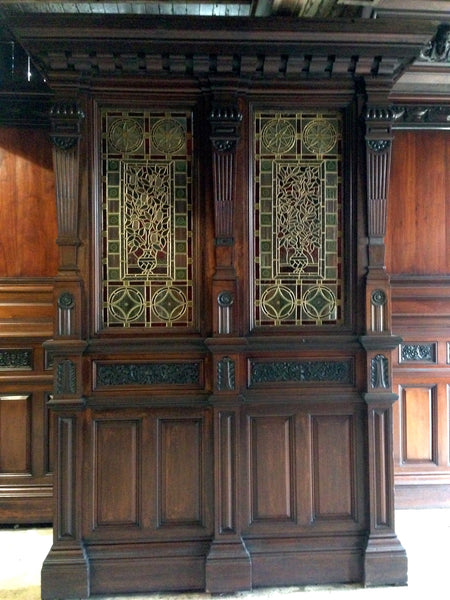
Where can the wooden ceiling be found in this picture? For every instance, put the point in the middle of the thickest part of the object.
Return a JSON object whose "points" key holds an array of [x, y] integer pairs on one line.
{"points": [[436, 9]]}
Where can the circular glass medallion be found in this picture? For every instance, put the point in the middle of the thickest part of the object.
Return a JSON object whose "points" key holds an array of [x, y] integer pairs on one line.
{"points": [[126, 304], [169, 303], [168, 136], [319, 302], [278, 302], [319, 136], [126, 135], [278, 136]]}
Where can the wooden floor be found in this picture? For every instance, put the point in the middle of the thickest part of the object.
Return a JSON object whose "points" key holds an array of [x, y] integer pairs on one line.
{"points": [[424, 533]]}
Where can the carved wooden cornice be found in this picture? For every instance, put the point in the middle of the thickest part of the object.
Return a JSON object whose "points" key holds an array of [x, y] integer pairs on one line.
{"points": [[93, 46]]}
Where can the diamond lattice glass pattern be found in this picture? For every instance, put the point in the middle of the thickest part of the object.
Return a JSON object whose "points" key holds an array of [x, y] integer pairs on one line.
{"points": [[147, 230], [297, 218]]}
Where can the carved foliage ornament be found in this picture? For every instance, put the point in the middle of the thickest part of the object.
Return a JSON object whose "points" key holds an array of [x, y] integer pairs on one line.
{"points": [[301, 371], [66, 377], [438, 49], [424, 352], [148, 374], [16, 359]]}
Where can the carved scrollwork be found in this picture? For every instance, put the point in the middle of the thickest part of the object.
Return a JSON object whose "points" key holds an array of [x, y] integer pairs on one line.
{"points": [[427, 115], [301, 371], [16, 359], [438, 49], [424, 352], [148, 374]]}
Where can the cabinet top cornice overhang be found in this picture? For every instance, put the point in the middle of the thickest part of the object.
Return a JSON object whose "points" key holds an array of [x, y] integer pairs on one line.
{"points": [[90, 45]]}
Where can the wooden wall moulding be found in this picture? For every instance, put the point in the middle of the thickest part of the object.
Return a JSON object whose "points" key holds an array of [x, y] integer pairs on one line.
{"points": [[26, 383]]}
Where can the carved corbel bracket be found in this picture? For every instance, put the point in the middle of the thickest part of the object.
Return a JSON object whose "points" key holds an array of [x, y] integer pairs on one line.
{"points": [[225, 122], [379, 139], [438, 49], [65, 121]]}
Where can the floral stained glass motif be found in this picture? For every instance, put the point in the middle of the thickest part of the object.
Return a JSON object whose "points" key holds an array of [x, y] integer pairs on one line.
{"points": [[147, 254], [297, 223]]}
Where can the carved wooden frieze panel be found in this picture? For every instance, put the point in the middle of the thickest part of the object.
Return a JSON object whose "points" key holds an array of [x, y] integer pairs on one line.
{"points": [[297, 218], [300, 371], [424, 352], [166, 374], [16, 359], [147, 278]]}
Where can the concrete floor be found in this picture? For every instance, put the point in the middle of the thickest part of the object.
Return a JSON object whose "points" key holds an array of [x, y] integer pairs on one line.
{"points": [[425, 534]]}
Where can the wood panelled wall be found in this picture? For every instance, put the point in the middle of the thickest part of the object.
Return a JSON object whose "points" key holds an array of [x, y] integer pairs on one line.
{"points": [[28, 262], [418, 259]]}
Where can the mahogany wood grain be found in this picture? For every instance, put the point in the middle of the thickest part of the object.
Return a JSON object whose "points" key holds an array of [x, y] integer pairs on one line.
{"points": [[27, 208], [418, 230]]}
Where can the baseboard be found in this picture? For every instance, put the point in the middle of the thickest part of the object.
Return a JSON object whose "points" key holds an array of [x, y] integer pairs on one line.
{"points": [[422, 496]]}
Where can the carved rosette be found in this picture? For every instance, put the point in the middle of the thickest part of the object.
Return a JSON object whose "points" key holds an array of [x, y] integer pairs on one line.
{"points": [[65, 119], [225, 122]]}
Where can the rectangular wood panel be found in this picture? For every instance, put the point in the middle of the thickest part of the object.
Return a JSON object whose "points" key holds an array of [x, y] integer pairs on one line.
{"points": [[15, 434], [180, 468], [28, 208], [272, 468], [418, 406], [117, 467], [333, 459], [417, 238]]}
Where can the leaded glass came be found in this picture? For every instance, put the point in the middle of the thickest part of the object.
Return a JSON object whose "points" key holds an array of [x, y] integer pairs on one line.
{"points": [[147, 278], [297, 158]]}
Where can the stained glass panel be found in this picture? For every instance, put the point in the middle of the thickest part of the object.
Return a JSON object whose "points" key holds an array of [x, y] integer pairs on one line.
{"points": [[297, 225], [147, 255]]}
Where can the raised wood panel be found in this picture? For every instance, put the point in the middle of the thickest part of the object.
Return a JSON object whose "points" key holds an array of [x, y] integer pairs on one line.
{"points": [[272, 468], [28, 208], [117, 468], [419, 423], [15, 434], [333, 460], [26, 321], [181, 469], [418, 230]]}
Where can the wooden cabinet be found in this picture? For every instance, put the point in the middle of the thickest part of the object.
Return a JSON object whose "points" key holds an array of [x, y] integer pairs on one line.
{"points": [[222, 343]]}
